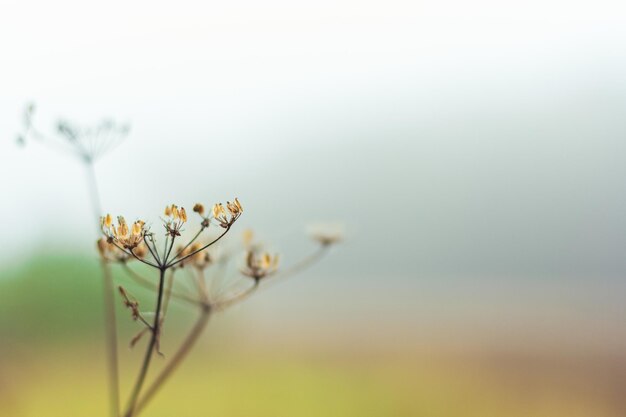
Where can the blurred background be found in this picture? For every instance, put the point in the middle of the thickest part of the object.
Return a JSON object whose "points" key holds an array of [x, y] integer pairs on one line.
{"points": [[473, 151]]}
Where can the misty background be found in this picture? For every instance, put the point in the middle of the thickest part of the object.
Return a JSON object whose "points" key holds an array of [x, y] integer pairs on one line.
{"points": [[475, 153]]}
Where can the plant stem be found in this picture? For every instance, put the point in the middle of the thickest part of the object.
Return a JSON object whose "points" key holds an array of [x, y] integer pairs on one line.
{"points": [[111, 337], [149, 285], [149, 352], [178, 357], [199, 250], [187, 345], [110, 330]]}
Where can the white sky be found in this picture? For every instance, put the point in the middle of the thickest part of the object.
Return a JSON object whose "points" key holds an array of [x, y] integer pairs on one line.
{"points": [[240, 86]]}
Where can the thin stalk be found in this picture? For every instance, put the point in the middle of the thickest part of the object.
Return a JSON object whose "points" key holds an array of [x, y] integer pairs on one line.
{"points": [[177, 358], [154, 251], [167, 240], [110, 330], [168, 251], [189, 243], [149, 285], [199, 250], [131, 253], [201, 322], [237, 298], [150, 350], [188, 344], [306, 262]]}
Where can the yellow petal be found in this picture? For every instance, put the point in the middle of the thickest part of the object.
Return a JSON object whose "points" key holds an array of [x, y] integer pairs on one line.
{"points": [[238, 204]]}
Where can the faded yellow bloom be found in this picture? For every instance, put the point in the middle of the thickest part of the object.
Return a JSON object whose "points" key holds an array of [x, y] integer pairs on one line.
{"points": [[218, 210], [227, 219], [234, 208], [121, 234], [175, 218]]}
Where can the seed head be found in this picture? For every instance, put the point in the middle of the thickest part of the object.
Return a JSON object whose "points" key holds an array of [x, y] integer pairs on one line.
{"points": [[224, 218], [175, 217], [121, 234], [198, 208]]}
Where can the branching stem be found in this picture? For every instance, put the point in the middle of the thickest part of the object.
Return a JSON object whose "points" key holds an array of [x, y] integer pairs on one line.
{"points": [[150, 350]]}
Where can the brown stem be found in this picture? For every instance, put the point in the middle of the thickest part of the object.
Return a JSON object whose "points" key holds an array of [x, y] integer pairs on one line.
{"points": [[180, 252], [176, 360], [199, 250], [187, 344], [110, 329], [149, 285], [199, 326], [111, 337], [150, 350], [237, 298]]}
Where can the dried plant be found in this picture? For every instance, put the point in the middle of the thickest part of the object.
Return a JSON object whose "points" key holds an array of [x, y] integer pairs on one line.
{"points": [[213, 286], [121, 244], [88, 145]]}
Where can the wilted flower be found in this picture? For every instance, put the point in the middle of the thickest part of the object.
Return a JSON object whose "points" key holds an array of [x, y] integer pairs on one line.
{"points": [[227, 216], [174, 219]]}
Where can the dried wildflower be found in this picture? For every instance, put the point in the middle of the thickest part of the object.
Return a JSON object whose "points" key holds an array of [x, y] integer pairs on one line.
{"points": [[87, 143], [215, 292], [174, 220], [122, 235], [226, 217], [259, 265]]}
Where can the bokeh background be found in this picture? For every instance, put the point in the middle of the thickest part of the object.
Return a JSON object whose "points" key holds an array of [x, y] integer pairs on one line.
{"points": [[474, 151]]}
